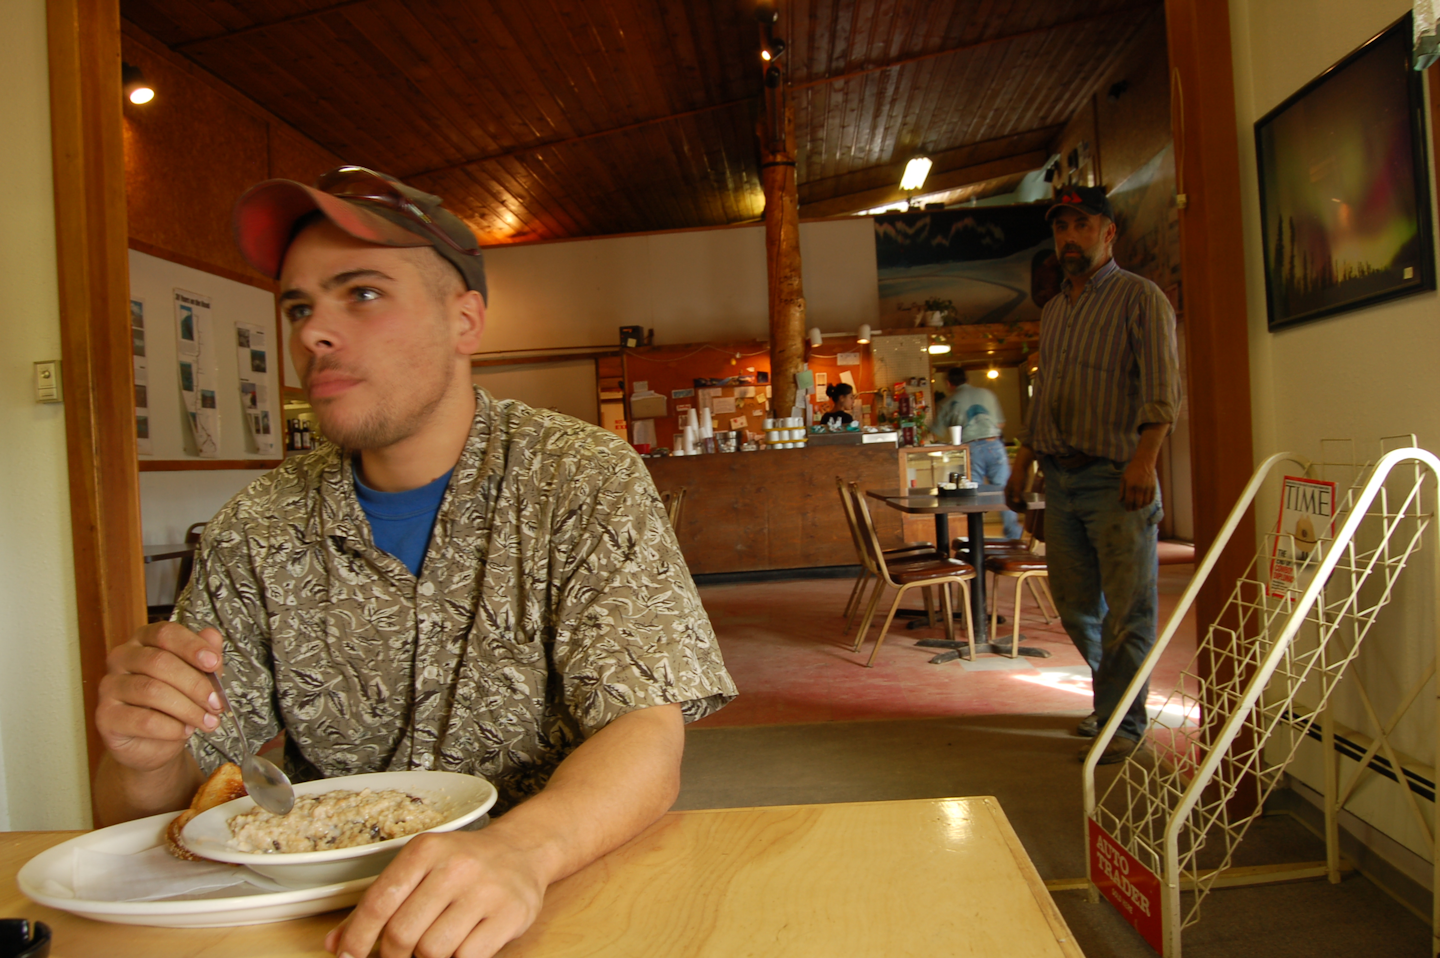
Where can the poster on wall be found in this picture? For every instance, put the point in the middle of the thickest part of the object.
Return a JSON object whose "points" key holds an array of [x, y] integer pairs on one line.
{"points": [[1344, 187], [142, 378], [253, 362], [988, 264], [193, 329]]}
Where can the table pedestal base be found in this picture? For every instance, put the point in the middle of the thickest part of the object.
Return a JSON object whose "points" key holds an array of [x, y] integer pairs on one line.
{"points": [[957, 650]]}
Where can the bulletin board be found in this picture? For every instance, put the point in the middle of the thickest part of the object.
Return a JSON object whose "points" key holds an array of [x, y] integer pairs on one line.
{"points": [[154, 283], [672, 371]]}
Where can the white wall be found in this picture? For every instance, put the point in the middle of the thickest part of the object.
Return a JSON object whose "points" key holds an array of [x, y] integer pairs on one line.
{"points": [[689, 286], [568, 387], [169, 503], [43, 777], [1363, 374]]}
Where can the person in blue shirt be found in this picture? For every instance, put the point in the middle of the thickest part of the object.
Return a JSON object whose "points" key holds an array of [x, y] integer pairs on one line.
{"points": [[977, 412]]}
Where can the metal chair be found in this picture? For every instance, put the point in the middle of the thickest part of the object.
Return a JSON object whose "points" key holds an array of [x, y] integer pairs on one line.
{"points": [[910, 550], [904, 576], [673, 502], [1028, 567], [161, 613]]}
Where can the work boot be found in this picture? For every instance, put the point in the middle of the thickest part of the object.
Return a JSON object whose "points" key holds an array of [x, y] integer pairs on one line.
{"points": [[1089, 726], [1119, 749]]}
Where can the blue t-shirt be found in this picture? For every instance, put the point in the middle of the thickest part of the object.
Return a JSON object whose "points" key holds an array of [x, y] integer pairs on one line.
{"points": [[401, 522]]}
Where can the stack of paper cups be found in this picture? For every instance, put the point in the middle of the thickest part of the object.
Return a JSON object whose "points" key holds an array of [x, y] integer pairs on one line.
{"points": [[690, 440], [692, 420]]}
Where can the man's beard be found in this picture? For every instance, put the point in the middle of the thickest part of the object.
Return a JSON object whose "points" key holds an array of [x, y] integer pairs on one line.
{"points": [[385, 425], [1075, 266]]}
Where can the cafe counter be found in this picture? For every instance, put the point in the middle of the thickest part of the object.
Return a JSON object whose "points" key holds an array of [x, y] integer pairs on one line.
{"points": [[779, 509]]}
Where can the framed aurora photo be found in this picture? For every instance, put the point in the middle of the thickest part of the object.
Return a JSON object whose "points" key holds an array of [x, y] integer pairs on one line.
{"points": [[1344, 195]]}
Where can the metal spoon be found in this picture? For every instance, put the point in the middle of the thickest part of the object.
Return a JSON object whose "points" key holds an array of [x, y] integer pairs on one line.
{"points": [[265, 783]]}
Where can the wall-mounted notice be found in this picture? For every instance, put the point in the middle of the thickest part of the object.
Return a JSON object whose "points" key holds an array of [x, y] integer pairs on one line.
{"points": [[253, 361], [197, 387], [142, 377]]}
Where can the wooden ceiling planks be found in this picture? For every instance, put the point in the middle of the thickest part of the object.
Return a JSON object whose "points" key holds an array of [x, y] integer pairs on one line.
{"points": [[562, 118]]}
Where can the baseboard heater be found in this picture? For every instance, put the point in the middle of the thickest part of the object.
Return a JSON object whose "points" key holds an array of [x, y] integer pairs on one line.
{"points": [[1349, 746]]}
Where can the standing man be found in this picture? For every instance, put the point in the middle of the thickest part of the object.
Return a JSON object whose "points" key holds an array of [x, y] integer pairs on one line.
{"points": [[977, 412], [1107, 392], [451, 582]]}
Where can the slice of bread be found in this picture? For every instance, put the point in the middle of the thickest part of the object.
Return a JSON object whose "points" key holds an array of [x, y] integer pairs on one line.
{"points": [[223, 785]]}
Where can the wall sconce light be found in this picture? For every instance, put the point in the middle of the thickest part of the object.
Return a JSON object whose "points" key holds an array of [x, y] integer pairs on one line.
{"points": [[992, 373], [864, 336], [938, 349], [915, 172], [815, 338], [134, 85]]}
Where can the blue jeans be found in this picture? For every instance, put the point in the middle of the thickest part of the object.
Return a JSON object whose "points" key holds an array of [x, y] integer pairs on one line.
{"points": [[1103, 571], [989, 463]]}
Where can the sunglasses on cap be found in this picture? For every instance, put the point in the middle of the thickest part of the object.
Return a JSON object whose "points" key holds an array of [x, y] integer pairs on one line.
{"points": [[358, 183]]}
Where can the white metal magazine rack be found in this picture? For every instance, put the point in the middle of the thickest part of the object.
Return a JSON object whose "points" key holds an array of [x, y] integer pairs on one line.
{"points": [[1171, 819]]}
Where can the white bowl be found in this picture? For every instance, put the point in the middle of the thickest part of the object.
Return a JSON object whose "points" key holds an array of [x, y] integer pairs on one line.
{"points": [[461, 799]]}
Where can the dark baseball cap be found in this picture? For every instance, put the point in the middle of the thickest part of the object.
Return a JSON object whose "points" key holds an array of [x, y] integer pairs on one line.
{"points": [[1090, 200], [367, 205]]}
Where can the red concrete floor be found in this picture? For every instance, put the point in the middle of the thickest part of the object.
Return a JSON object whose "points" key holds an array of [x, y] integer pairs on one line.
{"points": [[784, 643]]}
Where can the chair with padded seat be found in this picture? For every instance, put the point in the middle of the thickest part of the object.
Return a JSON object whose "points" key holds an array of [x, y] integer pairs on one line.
{"points": [[909, 550], [1029, 567], [903, 575]]}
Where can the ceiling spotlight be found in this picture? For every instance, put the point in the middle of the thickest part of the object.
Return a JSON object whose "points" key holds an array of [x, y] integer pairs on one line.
{"points": [[815, 338], [864, 336], [132, 82], [777, 47], [992, 373], [915, 172], [772, 76], [765, 55]]}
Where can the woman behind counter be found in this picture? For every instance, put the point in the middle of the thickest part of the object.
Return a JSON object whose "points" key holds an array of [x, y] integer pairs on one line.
{"points": [[843, 396]]}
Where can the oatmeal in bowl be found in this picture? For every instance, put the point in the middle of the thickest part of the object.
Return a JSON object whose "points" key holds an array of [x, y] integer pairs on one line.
{"points": [[338, 819], [340, 828]]}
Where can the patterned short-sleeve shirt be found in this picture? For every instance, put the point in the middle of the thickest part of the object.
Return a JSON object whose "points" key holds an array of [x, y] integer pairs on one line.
{"points": [[553, 599]]}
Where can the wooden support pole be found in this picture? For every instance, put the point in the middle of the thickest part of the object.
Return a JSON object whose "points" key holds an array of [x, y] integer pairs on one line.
{"points": [[782, 248], [98, 381], [1207, 168]]}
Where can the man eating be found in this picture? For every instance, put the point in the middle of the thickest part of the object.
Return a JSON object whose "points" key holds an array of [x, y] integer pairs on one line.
{"points": [[452, 582]]}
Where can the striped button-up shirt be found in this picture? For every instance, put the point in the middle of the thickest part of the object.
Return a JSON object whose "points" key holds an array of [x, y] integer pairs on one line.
{"points": [[1107, 367]]}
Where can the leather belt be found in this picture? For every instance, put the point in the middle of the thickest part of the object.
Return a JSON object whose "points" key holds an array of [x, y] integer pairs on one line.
{"points": [[1074, 461]]}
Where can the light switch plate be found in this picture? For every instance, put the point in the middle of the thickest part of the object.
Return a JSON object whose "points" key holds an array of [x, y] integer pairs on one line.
{"points": [[47, 381]]}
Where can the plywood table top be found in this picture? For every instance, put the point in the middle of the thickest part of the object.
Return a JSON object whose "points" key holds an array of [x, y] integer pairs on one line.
{"points": [[927, 878]]}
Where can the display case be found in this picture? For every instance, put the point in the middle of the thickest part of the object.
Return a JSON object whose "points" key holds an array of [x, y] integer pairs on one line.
{"points": [[923, 466]]}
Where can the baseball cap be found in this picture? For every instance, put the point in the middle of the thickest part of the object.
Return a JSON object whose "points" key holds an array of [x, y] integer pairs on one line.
{"points": [[369, 206], [1090, 200]]}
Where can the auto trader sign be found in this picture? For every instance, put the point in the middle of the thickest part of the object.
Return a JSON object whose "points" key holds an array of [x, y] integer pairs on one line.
{"points": [[1132, 888]]}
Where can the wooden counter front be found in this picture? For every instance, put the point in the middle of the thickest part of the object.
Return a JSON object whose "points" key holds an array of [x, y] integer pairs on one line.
{"points": [[755, 511]]}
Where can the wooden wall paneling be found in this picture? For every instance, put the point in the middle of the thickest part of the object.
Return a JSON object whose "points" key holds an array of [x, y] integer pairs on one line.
{"points": [[1217, 315], [93, 273], [188, 155], [296, 157], [1137, 126]]}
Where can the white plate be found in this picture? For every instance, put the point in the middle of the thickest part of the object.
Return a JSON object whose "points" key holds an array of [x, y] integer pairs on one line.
{"points": [[56, 865], [461, 799]]}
